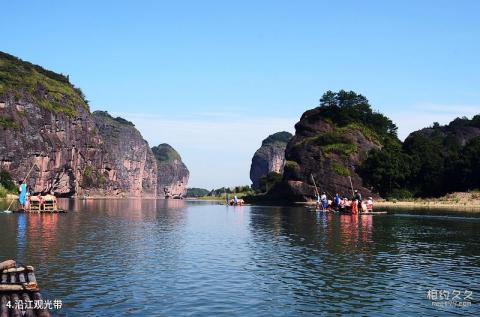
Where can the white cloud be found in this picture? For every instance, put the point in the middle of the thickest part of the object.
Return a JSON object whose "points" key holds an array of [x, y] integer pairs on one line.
{"points": [[217, 148]]}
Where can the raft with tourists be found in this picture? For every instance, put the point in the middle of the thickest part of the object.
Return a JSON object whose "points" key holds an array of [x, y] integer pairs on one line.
{"points": [[343, 204], [28, 201]]}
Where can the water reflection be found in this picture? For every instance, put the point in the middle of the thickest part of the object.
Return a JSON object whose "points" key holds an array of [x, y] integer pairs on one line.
{"points": [[176, 258], [337, 262]]}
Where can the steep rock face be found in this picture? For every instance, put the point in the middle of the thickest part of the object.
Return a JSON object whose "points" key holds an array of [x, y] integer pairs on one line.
{"points": [[329, 153], [128, 164], [270, 157], [48, 133], [172, 173], [56, 149]]}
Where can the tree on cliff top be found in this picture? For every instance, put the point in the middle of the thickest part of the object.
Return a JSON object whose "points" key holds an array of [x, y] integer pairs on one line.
{"points": [[346, 107], [282, 137], [164, 153]]}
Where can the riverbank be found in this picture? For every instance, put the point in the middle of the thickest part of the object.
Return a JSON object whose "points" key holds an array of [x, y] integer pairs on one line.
{"points": [[460, 200]]}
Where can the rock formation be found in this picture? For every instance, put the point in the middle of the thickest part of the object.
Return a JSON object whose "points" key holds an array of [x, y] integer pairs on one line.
{"points": [[128, 162], [172, 174], [330, 142], [270, 157], [46, 127]]}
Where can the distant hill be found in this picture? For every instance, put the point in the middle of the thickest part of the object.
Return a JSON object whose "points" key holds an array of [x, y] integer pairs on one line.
{"points": [[197, 192]]}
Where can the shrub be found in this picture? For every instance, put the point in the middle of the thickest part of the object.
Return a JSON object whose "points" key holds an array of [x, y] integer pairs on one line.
{"points": [[340, 169], [6, 181], [400, 194]]}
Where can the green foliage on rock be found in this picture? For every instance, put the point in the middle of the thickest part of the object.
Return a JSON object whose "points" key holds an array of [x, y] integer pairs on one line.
{"points": [[47, 89], [268, 181], [347, 107], [8, 123], [340, 169], [164, 153], [92, 178], [116, 119], [281, 137]]}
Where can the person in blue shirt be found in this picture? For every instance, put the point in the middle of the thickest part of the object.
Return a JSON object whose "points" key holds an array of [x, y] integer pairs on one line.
{"points": [[324, 201], [336, 201], [22, 194]]}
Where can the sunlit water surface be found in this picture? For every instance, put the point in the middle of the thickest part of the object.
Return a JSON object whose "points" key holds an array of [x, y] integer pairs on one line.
{"points": [[179, 258]]}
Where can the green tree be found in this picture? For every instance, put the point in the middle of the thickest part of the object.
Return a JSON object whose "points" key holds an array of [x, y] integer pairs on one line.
{"points": [[268, 181], [387, 170], [6, 181]]}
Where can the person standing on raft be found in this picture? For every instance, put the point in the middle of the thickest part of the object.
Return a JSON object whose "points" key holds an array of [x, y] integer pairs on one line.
{"points": [[357, 202], [336, 201], [324, 201], [22, 194]]}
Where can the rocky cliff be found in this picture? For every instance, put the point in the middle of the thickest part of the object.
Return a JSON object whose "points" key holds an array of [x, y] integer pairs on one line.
{"points": [[270, 157], [46, 129], [330, 141], [128, 163], [172, 174]]}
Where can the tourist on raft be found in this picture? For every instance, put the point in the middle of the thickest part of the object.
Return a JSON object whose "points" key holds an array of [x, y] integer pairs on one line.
{"points": [[356, 202], [336, 201], [324, 201], [370, 204]]}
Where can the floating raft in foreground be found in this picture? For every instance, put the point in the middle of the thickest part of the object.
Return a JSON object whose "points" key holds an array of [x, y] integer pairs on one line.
{"points": [[19, 291]]}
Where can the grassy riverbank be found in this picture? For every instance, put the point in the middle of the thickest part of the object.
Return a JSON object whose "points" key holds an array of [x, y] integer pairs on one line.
{"points": [[468, 200]]}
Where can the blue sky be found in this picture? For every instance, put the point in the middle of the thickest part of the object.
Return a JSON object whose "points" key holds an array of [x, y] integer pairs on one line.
{"points": [[214, 78]]}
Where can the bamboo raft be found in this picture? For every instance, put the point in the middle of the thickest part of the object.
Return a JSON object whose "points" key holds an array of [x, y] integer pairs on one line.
{"points": [[42, 204], [19, 285]]}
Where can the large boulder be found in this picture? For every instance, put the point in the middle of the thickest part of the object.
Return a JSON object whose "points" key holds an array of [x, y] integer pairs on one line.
{"points": [[330, 142], [270, 157]]}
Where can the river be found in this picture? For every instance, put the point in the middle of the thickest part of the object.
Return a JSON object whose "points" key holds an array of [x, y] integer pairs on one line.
{"points": [[186, 258]]}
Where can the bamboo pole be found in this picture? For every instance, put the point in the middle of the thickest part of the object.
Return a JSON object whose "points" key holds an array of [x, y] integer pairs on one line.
{"points": [[15, 287], [351, 185], [14, 270], [7, 265], [11, 288], [314, 184]]}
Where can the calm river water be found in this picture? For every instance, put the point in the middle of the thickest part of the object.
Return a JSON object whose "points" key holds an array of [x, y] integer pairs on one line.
{"points": [[180, 258]]}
